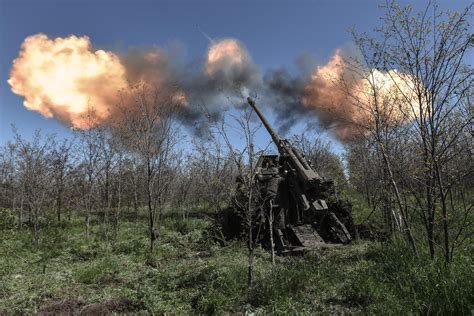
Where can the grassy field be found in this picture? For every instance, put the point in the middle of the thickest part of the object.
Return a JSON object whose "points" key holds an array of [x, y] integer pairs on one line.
{"points": [[190, 274]]}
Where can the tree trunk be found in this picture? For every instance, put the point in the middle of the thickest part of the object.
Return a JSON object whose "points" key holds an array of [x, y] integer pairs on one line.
{"points": [[272, 244], [118, 209], [58, 210], [151, 219], [444, 213], [388, 217], [250, 233], [87, 223], [406, 227], [250, 261], [107, 202], [430, 234], [20, 213], [430, 206], [36, 228], [135, 200]]}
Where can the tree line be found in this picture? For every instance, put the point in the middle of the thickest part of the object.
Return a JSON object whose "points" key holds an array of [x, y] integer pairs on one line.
{"points": [[412, 163]]}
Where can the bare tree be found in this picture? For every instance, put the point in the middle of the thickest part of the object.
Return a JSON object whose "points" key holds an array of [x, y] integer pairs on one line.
{"points": [[108, 154], [319, 152], [60, 160], [431, 47], [382, 125], [88, 153], [213, 170], [10, 188], [244, 158], [363, 172], [150, 131], [426, 113], [35, 173]]}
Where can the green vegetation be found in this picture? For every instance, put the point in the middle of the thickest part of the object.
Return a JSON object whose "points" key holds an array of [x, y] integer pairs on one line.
{"points": [[188, 273]]}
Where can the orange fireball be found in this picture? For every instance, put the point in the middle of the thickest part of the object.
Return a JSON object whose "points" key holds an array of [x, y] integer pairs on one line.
{"points": [[65, 77]]}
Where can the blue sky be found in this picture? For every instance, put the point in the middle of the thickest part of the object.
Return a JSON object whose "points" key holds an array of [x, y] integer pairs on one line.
{"points": [[274, 32]]}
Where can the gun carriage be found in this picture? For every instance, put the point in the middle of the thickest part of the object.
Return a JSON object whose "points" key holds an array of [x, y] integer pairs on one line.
{"points": [[301, 204]]}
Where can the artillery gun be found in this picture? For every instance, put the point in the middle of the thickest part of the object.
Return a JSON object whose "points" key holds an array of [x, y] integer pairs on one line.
{"points": [[295, 206]]}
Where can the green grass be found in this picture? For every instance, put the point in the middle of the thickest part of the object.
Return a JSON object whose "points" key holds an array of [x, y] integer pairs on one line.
{"points": [[392, 279], [191, 274]]}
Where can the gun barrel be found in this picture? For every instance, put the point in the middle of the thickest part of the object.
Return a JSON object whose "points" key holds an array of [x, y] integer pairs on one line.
{"points": [[298, 162], [276, 138]]}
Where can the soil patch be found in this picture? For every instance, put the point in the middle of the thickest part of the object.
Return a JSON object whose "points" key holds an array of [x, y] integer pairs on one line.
{"points": [[115, 305], [64, 307]]}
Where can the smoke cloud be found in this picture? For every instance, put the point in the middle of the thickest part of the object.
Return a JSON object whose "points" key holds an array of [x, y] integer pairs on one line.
{"points": [[333, 105], [228, 65], [340, 97], [63, 78], [227, 71]]}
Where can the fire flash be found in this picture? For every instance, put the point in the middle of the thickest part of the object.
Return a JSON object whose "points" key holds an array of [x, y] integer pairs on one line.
{"points": [[63, 77]]}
